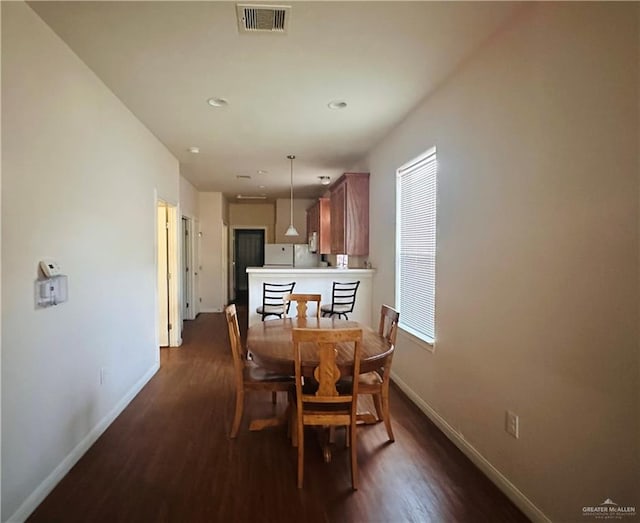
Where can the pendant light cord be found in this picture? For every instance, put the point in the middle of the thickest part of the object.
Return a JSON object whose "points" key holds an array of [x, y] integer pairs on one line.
{"points": [[291, 231], [291, 157]]}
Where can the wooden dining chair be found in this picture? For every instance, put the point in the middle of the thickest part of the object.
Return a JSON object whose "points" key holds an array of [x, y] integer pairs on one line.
{"points": [[272, 299], [376, 382], [343, 299], [325, 406], [301, 303], [248, 375]]}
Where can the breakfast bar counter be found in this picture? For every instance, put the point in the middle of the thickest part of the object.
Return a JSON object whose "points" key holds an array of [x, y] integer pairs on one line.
{"points": [[312, 280]]}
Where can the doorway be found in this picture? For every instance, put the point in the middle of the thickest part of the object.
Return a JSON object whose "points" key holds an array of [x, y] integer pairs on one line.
{"points": [[248, 252], [187, 271], [167, 282]]}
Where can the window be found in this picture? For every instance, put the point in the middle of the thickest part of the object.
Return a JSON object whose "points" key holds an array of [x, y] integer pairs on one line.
{"points": [[416, 245]]}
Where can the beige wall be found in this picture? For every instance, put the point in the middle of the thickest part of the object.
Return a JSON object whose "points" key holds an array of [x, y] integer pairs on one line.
{"points": [[537, 262], [225, 211], [283, 219], [79, 174], [213, 280], [254, 215], [188, 199]]}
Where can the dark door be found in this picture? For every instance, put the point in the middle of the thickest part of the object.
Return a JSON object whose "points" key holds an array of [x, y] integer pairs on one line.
{"points": [[249, 252]]}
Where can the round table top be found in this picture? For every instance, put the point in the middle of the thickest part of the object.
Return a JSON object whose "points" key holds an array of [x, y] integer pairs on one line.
{"points": [[270, 344]]}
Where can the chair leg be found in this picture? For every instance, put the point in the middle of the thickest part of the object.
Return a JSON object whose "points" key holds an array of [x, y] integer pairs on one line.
{"points": [[293, 421], [354, 456], [385, 411], [300, 429], [274, 397], [332, 434], [238, 414], [347, 436], [377, 403]]}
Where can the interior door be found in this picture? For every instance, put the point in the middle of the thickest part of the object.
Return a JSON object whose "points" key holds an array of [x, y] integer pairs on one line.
{"points": [[186, 271], [195, 267], [225, 263], [249, 252], [164, 317]]}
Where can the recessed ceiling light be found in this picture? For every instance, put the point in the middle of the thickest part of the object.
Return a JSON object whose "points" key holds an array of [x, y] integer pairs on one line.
{"points": [[217, 102], [325, 180], [194, 150], [262, 171], [260, 186], [337, 104]]}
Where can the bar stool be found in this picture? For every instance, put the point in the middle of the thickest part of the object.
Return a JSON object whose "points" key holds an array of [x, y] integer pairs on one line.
{"points": [[343, 299], [273, 299]]}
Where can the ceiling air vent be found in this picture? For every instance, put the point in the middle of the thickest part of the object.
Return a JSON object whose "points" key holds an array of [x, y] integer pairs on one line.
{"points": [[263, 18]]}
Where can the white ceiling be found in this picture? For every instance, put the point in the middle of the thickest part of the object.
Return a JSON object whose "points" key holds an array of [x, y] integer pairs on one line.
{"points": [[165, 59]]}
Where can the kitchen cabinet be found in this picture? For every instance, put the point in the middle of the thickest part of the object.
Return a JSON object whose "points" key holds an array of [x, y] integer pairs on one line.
{"points": [[349, 203], [318, 221]]}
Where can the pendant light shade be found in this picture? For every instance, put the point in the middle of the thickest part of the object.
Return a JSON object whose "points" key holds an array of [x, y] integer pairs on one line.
{"points": [[291, 231]]}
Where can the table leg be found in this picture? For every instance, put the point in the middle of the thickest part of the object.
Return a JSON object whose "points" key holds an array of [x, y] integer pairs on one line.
{"points": [[368, 418], [325, 443], [260, 424]]}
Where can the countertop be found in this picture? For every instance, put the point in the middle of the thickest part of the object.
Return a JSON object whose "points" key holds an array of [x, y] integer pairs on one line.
{"points": [[306, 270]]}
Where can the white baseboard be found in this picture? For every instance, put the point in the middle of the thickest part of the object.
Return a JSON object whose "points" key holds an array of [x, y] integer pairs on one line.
{"points": [[508, 488], [211, 309], [43, 490]]}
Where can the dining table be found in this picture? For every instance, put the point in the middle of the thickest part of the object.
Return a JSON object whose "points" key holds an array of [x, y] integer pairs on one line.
{"points": [[270, 346]]}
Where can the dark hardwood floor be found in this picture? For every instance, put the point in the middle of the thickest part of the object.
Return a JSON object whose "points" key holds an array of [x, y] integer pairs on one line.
{"points": [[168, 458]]}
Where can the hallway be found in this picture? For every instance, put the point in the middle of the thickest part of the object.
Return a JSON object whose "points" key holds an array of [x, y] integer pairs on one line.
{"points": [[168, 458]]}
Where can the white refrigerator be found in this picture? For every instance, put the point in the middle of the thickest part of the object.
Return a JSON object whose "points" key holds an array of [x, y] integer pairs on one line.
{"points": [[278, 255], [302, 257], [289, 255]]}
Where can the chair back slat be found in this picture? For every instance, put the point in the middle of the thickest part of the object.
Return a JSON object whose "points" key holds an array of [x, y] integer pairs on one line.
{"points": [[388, 327], [327, 374], [345, 293], [273, 293], [343, 299], [237, 350], [301, 303], [273, 299]]}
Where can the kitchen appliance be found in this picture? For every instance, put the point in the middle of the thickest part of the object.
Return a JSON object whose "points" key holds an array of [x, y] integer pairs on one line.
{"points": [[278, 254], [289, 255], [303, 257], [313, 242]]}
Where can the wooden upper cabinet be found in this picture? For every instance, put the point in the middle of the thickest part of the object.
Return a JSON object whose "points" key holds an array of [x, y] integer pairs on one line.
{"points": [[350, 215], [318, 221]]}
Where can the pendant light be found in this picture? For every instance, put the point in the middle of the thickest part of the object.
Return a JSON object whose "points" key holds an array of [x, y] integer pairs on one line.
{"points": [[291, 231]]}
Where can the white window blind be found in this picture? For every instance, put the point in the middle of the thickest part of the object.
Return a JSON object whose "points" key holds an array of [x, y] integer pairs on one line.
{"points": [[416, 184]]}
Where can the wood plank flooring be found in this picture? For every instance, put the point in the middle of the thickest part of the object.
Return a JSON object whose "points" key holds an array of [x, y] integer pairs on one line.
{"points": [[168, 458]]}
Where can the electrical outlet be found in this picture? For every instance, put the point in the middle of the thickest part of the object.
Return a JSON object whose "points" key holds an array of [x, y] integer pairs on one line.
{"points": [[103, 375], [512, 424]]}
